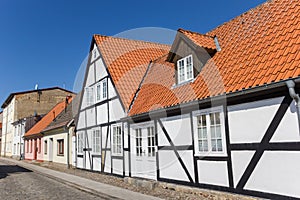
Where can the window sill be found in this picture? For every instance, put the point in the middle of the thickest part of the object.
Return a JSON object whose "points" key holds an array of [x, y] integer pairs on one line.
{"points": [[183, 83], [60, 154], [211, 154]]}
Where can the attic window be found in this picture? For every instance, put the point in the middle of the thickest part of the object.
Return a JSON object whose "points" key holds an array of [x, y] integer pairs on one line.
{"points": [[185, 69]]}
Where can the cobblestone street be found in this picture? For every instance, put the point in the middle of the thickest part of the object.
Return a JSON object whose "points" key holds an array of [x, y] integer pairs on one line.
{"points": [[20, 183]]}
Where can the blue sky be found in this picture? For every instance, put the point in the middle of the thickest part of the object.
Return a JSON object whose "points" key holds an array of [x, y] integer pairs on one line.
{"points": [[45, 42]]}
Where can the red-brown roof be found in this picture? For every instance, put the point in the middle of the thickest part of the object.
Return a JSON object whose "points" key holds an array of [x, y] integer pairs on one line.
{"points": [[0, 125], [46, 120], [260, 47], [127, 61], [201, 40]]}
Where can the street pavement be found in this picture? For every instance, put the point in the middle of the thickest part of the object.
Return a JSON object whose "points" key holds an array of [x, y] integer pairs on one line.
{"points": [[20, 180]]}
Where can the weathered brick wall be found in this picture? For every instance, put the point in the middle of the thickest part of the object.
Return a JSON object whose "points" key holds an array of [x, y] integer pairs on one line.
{"points": [[40, 102]]}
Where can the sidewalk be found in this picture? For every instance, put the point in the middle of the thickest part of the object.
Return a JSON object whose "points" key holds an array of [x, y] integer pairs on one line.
{"points": [[100, 189]]}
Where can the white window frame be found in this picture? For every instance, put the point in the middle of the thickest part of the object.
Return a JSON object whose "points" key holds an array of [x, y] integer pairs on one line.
{"points": [[185, 68], [223, 135], [80, 142], [96, 148], [114, 141], [99, 90]]}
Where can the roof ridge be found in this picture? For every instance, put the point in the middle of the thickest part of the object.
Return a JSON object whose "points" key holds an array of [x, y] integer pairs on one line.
{"points": [[181, 29], [244, 13], [129, 39]]}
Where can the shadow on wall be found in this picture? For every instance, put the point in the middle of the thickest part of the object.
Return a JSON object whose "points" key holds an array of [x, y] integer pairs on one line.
{"points": [[5, 170]]}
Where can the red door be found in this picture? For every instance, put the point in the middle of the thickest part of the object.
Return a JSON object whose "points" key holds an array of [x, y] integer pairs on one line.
{"points": [[35, 149]]}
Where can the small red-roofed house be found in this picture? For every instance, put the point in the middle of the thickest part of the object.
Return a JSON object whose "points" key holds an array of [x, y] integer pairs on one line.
{"points": [[34, 138]]}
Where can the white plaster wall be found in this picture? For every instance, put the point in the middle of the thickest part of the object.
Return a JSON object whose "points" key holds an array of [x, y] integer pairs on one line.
{"points": [[179, 129], [97, 164], [111, 90], [107, 167], [102, 114], [213, 172], [288, 130], [46, 156], [170, 167], [117, 166], [91, 76], [104, 139], [81, 120], [240, 161], [277, 172], [126, 160], [57, 158], [115, 110], [100, 69], [79, 162], [91, 117], [248, 122]]}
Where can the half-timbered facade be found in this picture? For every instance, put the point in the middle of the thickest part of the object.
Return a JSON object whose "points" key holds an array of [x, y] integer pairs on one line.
{"points": [[219, 110], [115, 69]]}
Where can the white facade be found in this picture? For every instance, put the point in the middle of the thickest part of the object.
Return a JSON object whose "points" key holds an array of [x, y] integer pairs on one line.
{"points": [[18, 141], [58, 148], [99, 116], [8, 129]]}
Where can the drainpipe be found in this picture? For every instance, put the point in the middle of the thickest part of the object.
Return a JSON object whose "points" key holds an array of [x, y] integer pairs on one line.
{"points": [[291, 85]]}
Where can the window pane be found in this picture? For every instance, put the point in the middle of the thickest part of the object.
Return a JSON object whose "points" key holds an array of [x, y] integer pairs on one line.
{"points": [[213, 132], [218, 131], [104, 86], [219, 143], [212, 118], [217, 116], [213, 145]]}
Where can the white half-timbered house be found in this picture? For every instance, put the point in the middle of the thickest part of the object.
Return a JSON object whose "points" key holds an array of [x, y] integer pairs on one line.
{"points": [[219, 110], [115, 69]]}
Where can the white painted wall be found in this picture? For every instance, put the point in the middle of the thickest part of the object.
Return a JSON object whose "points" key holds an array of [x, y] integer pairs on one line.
{"points": [[100, 69], [277, 172], [81, 121], [288, 130], [90, 117], [178, 128], [115, 110], [118, 166], [240, 161], [213, 173], [102, 114], [248, 122]]}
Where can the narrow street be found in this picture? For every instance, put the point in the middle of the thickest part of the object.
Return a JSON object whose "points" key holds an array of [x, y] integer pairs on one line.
{"points": [[19, 183]]}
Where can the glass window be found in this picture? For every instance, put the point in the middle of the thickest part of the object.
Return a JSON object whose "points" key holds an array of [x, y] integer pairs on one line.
{"points": [[138, 139], [80, 142], [96, 141], [45, 147], [185, 69], [60, 147], [117, 140], [209, 133], [151, 142]]}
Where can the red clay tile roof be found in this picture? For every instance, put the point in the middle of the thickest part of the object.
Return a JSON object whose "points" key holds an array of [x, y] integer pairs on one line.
{"points": [[201, 40], [46, 120], [260, 47], [127, 61]]}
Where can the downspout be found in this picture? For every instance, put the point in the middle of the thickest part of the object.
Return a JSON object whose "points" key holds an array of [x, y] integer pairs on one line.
{"points": [[291, 85]]}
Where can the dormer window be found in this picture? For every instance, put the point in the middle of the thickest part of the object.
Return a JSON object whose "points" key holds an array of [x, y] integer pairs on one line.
{"points": [[185, 69]]}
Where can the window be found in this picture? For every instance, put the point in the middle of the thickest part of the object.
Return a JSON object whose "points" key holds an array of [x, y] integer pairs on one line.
{"points": [[209, 133], [15, 149], [117, 140], [101, 90], [60, 147], [80, 142], [89, 96], [151, 142], [31, 146], [138, 140], [185, 69], [96, 141], [27, 146], [45, 147]]}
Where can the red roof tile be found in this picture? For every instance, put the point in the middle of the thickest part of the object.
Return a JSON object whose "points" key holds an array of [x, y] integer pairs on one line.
{"points": [[201, 40], [127, 61], [46, 120], [259, 47]]}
